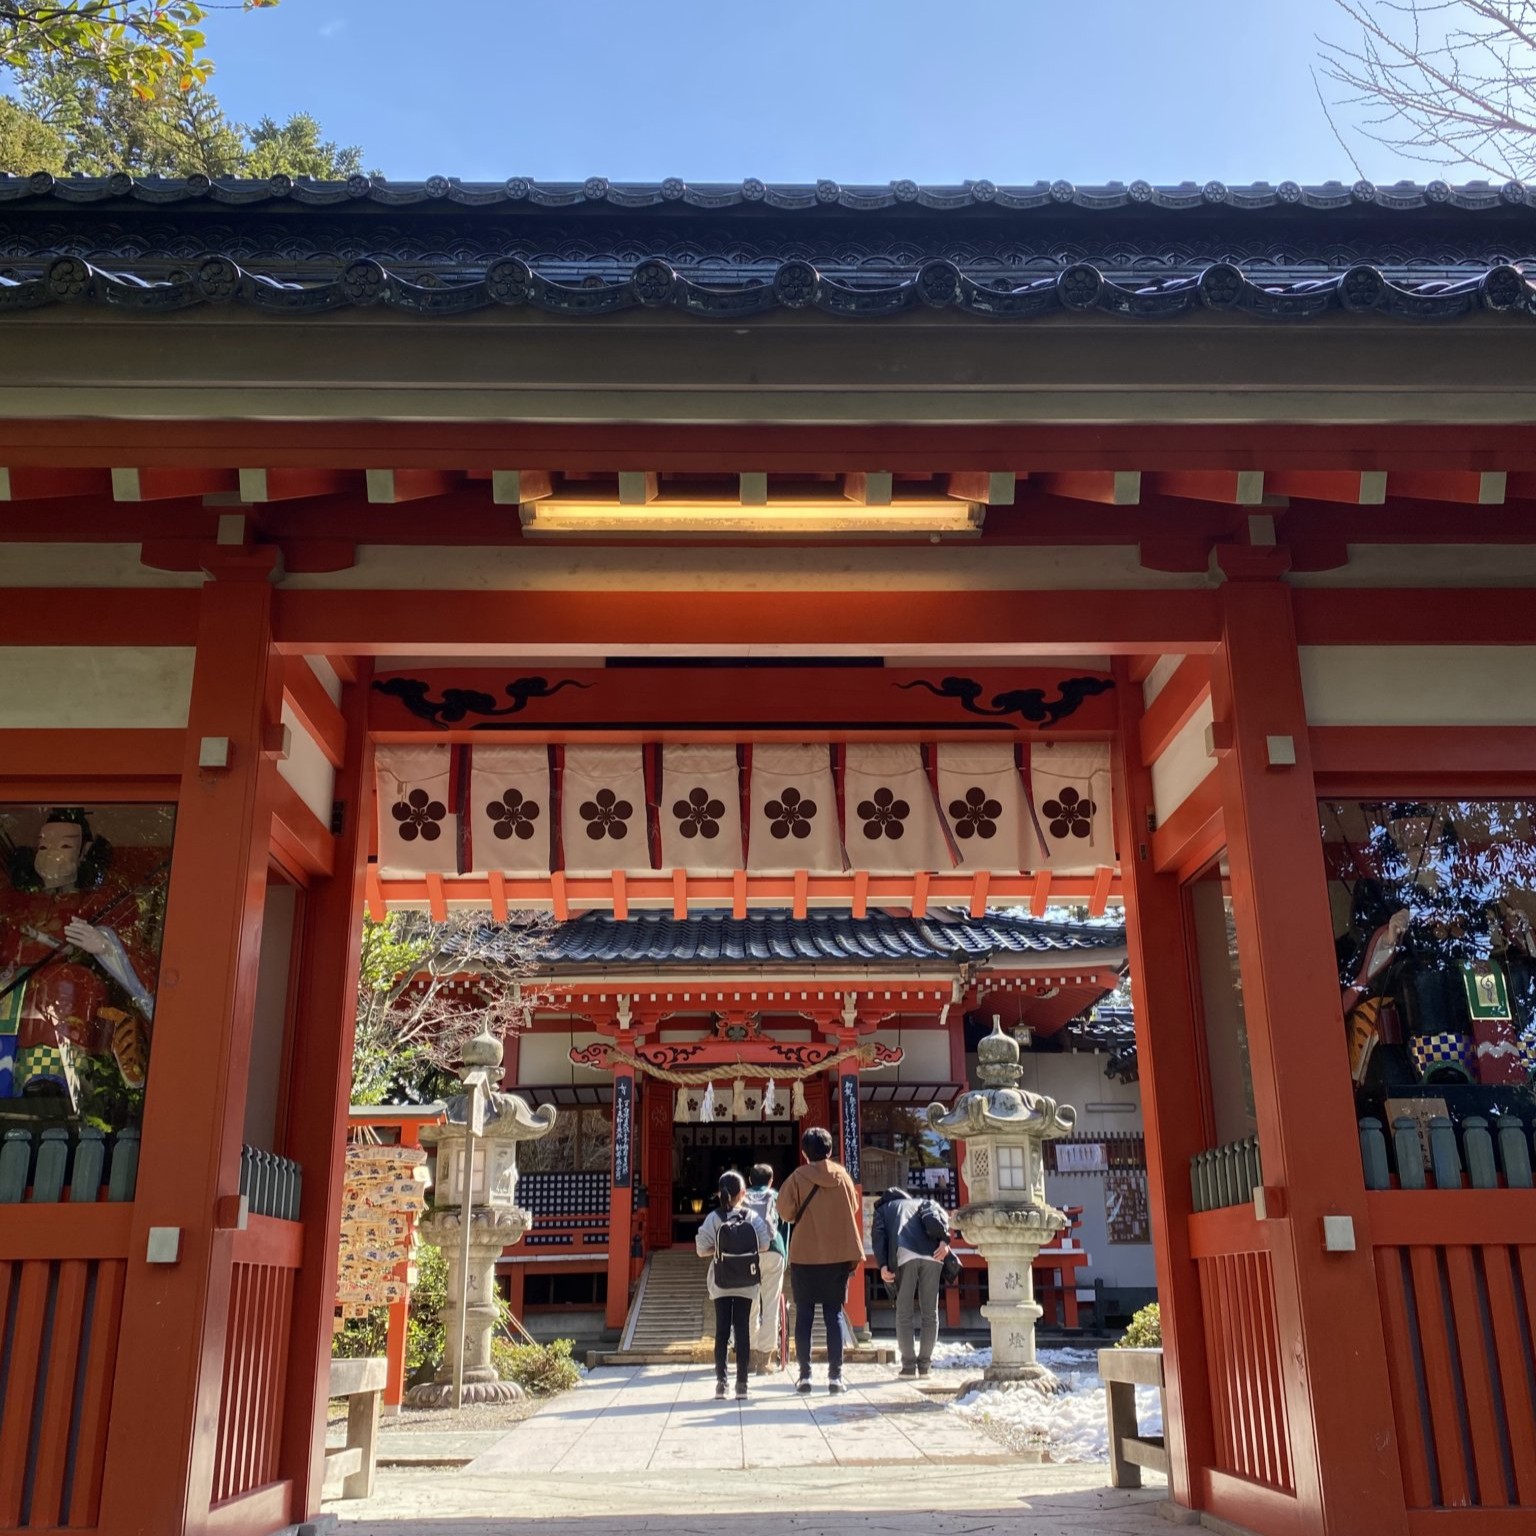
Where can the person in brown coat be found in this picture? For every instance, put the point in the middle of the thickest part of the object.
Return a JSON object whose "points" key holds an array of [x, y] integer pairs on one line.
{"points": [[825, 1247]]}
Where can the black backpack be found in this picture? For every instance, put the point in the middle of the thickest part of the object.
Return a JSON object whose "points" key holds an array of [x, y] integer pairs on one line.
{"points": [[736, 1263], [935, 1228]]}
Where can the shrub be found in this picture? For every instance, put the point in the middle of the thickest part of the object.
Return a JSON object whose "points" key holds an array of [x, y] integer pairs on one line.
{"points": [[541, 1370], [1145, 1331], [365, 1335]]}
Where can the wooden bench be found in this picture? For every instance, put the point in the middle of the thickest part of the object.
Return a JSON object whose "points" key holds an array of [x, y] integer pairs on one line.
{"points": [[361, 1382], [1122, 1371]]}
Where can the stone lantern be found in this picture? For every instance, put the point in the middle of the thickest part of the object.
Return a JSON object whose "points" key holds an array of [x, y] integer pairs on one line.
{"points": [[478, 1136], [1006, 1218]]}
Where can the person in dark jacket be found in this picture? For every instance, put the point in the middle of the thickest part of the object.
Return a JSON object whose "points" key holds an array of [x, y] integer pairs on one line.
{"points": [[910, 1237]]}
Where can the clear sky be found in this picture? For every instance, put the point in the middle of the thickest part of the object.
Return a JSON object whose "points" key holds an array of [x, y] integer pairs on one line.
{"points": [[1011, 90]]}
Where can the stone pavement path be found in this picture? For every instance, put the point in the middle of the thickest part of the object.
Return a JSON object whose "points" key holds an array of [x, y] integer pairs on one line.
{"points": [[648, 1449]]}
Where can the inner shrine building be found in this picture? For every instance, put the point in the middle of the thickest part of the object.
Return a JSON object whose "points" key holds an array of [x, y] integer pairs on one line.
{"points": [[847, 611]]}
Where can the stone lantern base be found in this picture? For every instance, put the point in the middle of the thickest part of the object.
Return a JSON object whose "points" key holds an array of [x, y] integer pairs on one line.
{"points": [[491, 1230], [439, 1394], [1008, 1238]]}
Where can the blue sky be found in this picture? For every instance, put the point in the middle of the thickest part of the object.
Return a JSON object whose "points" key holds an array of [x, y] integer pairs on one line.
{"points": [[1011, 90]]}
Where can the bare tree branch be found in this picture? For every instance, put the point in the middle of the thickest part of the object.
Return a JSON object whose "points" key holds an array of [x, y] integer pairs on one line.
{"points": [[424, 988], [1449, 82]]}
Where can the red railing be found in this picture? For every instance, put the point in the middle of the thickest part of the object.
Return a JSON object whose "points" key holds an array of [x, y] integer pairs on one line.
{"points": [[1237, 1295], [1456, 1271], [266, 1254], [61, 1300]]}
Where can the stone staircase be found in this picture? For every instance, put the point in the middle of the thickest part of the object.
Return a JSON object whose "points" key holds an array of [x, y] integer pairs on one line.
{"points": [[672, 1320]]}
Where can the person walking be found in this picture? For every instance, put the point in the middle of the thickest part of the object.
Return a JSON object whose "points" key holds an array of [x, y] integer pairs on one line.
{"points": [[826, 1245], [910, 1237], [734, 1240], [764, 1203]]}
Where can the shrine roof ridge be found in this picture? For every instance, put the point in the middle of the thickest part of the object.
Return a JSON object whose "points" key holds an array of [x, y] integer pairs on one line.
{"points": [[584, 250], [823, 194], [777, 937]]}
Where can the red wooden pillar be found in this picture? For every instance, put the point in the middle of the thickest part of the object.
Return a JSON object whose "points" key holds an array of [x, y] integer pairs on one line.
{"points": [[656, 1159], [517, 1274], [160, 1447], [621, 1197], [320, 1084], [1169, 1059], [1331, 1341]]}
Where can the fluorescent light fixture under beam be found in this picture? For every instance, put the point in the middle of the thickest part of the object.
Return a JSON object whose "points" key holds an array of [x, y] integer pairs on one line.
{"points": [[798, 518]]}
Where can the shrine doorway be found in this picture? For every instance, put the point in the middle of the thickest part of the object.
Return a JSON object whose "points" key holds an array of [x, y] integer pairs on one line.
{"points": [[702, 1152]]}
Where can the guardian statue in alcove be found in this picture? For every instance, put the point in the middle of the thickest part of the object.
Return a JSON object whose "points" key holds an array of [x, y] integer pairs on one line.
{"points": [[76, 978]]}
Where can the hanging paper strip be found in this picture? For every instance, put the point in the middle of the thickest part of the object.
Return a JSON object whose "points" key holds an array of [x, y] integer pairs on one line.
{"points": [[603, 812], [1070, 785], [794, 811], [700, 809], [890, 819], [418, 817], [510, 821], [982, 795]]}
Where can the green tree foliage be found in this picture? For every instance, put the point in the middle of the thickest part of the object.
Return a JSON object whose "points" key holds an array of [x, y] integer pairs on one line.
{"points": [[295, 148], [73, 118], [380, 1058], [27, 143], [146, 45]]}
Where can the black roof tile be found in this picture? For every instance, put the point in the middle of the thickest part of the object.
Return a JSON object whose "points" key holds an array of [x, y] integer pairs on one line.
{"points": [[730, 252], [777, 938]]}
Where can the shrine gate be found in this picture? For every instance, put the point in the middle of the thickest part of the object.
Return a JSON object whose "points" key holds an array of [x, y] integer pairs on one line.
{"points": [[338, 516]]}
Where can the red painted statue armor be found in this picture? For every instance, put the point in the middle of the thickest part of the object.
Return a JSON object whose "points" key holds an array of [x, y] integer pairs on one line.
{"points": [[79, 979]]}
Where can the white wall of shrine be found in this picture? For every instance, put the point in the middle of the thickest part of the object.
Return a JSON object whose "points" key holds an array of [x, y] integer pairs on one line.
{"points": [[544, 1060], [1183, 763], [1104, 1108], [1419, 684], [109, 687]]}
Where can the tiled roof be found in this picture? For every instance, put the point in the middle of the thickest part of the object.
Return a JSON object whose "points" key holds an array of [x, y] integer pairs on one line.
{"points": [[1102, 1029], [824, 195], [776, 938], [730, 252]]}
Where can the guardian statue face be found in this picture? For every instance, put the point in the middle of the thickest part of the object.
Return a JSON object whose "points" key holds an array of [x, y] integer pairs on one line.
{"points": [[60, 846]]}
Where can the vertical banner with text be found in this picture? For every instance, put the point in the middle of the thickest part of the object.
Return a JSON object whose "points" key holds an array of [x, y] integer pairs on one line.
{"points": [[623, 1128], [852, 1131]]}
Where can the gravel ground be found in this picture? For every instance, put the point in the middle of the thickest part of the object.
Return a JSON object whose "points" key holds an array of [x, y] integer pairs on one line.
{"points": [[444, 1421]]}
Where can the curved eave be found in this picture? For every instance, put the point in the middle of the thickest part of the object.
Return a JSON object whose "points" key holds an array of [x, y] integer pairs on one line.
{"points": [[1078, 288]]}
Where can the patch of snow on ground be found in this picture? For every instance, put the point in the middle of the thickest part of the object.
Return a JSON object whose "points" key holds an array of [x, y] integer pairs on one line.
{"points": [[1071, 1425]]}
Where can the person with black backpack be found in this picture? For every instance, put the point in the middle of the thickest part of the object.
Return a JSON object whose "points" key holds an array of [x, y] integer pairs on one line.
{"points": [[910, 1239], [733, 1239]]}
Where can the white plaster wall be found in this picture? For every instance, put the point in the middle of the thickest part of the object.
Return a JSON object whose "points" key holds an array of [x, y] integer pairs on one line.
{"points": [[308, 769], [79, 687], [1419, 684], [544, 1061], [926, 1059], [1184, 763], [87, 565], [327, 675], [1077, 1078], [1157, 679]]}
